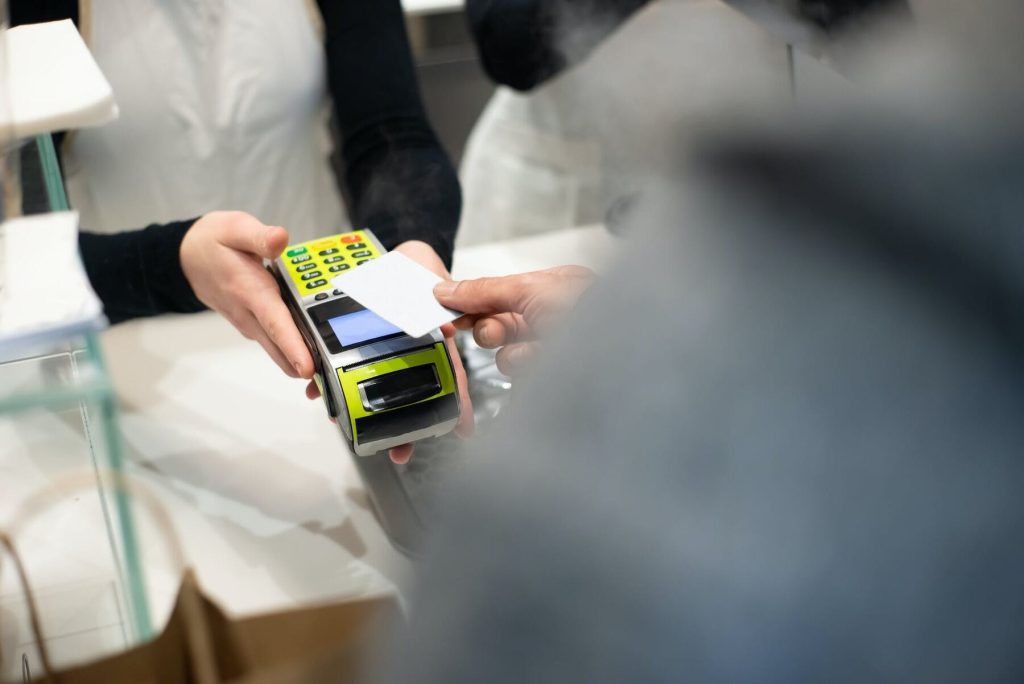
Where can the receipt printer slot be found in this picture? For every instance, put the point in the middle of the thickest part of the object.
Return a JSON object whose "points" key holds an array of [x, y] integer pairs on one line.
{"points": [[399, 388]]}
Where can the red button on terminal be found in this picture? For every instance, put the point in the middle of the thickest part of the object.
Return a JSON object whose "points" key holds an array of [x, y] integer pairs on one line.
{"points": [[348, 239]]}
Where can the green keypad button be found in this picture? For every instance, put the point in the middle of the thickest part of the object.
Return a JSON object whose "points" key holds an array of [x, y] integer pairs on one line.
{"points": [[296, 252]]}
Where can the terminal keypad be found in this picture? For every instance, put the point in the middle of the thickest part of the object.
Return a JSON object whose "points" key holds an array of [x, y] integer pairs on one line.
{"points": [[308, 262]]}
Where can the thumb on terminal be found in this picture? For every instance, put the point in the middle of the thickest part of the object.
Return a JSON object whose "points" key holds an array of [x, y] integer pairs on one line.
{"points": [[275, 239]]}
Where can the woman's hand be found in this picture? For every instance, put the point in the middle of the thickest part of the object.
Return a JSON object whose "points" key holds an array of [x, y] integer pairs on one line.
{"points": [[222, 258]]}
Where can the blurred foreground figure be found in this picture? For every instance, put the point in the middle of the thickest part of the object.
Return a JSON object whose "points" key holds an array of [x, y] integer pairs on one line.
{"points": [[784, 441]]}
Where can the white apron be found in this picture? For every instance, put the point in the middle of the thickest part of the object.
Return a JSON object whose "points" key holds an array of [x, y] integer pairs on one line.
{"points": [[223, 106]]}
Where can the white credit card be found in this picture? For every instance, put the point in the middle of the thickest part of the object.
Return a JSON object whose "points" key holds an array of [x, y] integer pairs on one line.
{"points": [[398, 290]]}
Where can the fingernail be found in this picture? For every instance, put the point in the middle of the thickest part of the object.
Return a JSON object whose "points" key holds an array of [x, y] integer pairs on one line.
{"points": [[267, 234], [484, 334], [445, 288], [298, 368]]}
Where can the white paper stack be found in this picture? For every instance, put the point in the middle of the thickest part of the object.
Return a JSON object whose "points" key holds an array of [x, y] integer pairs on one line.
{"points": [[46, 294], [53, 81]]}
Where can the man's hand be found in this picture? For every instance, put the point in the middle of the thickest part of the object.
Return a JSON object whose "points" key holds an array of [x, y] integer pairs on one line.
{"points": [[222, 257], [513, 312], [425, 256]]}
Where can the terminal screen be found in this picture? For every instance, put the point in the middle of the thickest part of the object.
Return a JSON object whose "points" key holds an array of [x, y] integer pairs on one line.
{"points": [[361, 326]]}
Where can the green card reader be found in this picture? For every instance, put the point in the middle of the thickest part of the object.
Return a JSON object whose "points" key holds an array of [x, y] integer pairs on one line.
{"points": [[382, 386]]}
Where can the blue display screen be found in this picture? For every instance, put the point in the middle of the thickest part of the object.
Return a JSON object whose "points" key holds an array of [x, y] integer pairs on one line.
{"points": [[360, 327]]}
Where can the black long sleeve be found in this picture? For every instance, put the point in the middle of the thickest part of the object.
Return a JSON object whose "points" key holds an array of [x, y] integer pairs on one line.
{"points": [[401, 183], [138, 273], [523, 43]]}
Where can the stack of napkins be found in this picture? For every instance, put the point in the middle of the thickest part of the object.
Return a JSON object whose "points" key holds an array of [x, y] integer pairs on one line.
{"points": [[45, 294], [53, 83]]}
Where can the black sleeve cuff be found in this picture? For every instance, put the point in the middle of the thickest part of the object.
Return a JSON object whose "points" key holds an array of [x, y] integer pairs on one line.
{"points": [[524, 43], [138, 273], [412, 195]]}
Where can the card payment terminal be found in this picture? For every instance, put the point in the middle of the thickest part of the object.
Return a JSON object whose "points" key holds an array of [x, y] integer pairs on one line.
{"points": [[383, 387]]}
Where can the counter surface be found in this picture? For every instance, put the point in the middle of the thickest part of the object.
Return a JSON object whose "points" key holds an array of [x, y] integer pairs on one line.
{"points": [[259, 484]]}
